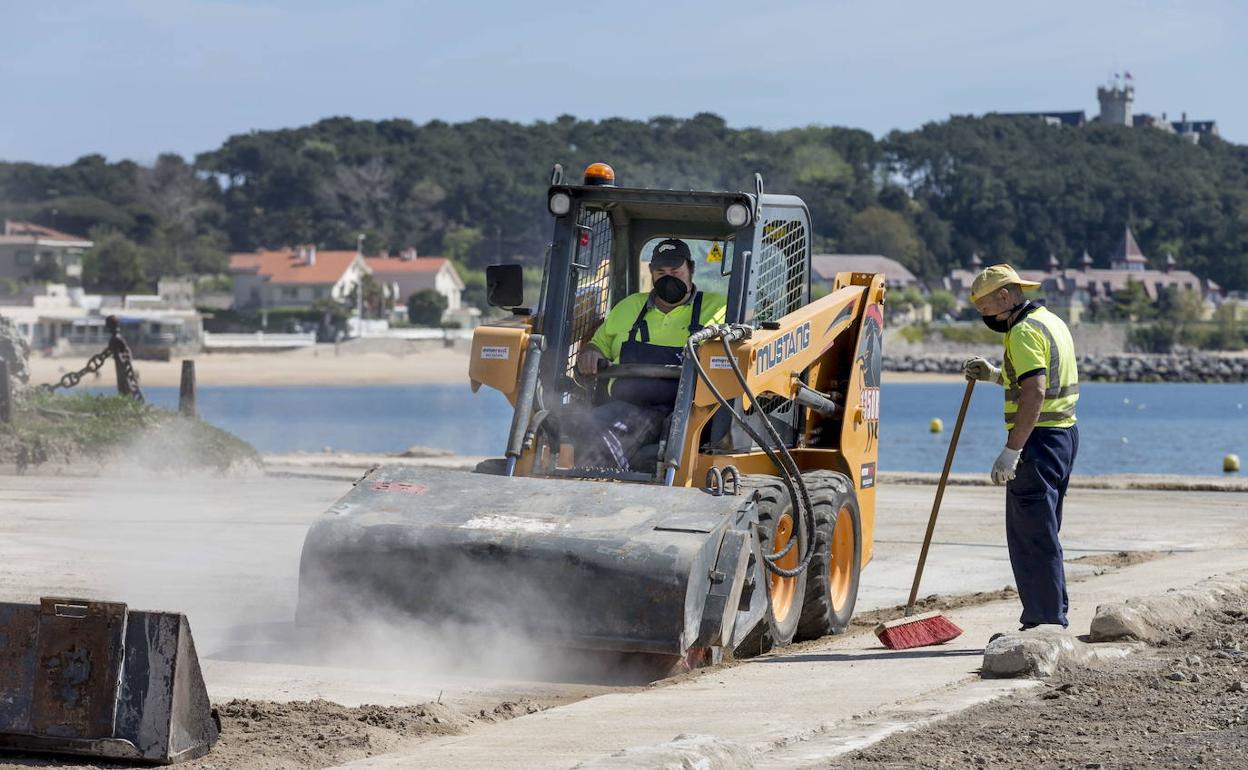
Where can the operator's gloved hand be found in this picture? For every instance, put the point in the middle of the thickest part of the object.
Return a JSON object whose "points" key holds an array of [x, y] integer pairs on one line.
{"points": [[979, 369], [590, 360], [1004, 466]]}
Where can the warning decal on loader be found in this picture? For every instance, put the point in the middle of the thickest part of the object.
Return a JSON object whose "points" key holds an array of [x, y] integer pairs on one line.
{"points": [[495, 353], [870, 359], [866, 477]]}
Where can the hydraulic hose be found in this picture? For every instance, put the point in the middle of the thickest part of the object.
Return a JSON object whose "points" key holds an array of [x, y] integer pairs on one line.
{"points": [[790, 471], [789, 474]]}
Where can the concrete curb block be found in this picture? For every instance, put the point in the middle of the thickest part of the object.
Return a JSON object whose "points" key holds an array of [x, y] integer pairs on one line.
{"points": [[1144, 482], [1041, 651], [1150, 618], [685, 752]]}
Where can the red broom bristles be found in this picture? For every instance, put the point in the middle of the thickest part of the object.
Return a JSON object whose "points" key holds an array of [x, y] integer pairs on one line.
{"points": [[917, 631]]}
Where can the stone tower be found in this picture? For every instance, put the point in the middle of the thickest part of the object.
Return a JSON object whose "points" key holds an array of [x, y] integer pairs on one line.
{"points": [[1116, 102]]}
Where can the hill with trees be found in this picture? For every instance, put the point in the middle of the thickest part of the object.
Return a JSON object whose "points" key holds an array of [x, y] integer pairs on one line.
{"points": [[1011, 188]]}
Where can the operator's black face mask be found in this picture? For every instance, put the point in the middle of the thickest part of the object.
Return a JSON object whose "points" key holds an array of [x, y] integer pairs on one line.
{"points": [[670, 289], [1002, 324]]}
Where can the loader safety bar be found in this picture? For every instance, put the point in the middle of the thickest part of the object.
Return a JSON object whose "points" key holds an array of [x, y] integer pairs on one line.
{"points": [[520, 432]]}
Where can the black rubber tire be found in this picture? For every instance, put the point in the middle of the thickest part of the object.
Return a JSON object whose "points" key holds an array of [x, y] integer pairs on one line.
{"points": [[830, 492], [773, 504]]}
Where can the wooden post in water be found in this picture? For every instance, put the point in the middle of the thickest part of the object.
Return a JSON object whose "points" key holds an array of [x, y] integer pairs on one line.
{"points": [[6, 393], [186, 393]]}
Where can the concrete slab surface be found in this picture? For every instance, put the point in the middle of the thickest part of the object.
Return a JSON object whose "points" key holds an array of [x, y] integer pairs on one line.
{"points": [[794, 708], [226, 551]]}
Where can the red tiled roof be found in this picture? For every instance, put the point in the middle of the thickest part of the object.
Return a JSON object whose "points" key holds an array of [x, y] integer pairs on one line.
{"points": [[397, 265], [285, 266], [20, 230]]}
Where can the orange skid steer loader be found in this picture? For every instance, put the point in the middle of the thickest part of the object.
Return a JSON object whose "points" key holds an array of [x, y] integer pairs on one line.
{"points": [[743, 527]]}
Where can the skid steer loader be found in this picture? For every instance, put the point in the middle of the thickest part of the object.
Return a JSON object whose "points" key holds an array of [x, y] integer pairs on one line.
{"points": [[744, 527]]}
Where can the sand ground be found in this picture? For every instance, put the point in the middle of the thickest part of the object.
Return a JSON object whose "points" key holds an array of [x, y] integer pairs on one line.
{"points": [[319, 365], [323, 364]]}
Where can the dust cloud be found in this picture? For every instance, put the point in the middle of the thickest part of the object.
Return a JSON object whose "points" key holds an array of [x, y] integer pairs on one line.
{"points": [[225, 548]]}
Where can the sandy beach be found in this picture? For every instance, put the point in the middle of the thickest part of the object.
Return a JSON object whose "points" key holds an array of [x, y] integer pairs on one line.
{"points": [[310, 366], [321, 366]]}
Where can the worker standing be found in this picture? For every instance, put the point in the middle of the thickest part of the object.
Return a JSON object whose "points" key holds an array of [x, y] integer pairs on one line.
{"points": [[1041, 382]]}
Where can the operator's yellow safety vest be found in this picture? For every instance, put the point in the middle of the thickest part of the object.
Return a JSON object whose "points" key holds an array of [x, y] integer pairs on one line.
{"points": [[1040, 342], [668, 329]]}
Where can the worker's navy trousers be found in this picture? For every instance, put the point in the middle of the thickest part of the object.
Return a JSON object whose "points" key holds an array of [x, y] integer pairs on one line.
{"points": [[1033, 518]]}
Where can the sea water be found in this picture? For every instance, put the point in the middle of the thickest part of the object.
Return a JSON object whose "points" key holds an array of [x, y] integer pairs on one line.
{"points": [[1124, 428]]}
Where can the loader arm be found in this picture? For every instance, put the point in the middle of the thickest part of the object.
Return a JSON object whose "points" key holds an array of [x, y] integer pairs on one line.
{"points": [[831, 346]]}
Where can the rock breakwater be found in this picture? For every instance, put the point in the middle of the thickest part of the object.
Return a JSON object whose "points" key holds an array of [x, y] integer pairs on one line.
{"points": [[1118, 367]]}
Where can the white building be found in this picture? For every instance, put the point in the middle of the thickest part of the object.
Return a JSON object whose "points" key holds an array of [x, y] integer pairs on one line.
{"points": [[25, 246], [62, 321], [293, 278], [409, 274]]}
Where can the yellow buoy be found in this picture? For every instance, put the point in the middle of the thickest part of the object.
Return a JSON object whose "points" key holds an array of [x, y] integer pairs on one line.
{"points": [[1230, 463], [937, 425]]}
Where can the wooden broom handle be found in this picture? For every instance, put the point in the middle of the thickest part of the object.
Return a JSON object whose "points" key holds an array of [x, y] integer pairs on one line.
{"points": [[940, 493]]}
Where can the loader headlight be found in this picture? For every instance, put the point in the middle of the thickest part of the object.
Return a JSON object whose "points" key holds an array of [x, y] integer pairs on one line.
{"points": [[737, 214], [560, 203]]}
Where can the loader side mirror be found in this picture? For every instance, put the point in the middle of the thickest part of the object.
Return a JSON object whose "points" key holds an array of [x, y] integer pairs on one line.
{"points": [[504, 285]]}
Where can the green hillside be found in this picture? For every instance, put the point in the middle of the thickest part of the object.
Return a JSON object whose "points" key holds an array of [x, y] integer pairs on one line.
{"points": [[1010, 187]]}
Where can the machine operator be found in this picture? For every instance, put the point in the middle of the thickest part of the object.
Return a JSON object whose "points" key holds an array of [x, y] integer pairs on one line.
{"points": [[1041, 384], [644, 328]]}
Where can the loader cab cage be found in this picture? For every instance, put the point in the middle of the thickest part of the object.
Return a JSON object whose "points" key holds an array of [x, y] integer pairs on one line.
{"points": [[596, 259]]}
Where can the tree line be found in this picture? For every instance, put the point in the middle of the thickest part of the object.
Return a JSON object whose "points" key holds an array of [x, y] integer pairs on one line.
{"points": [[1011, 188]]}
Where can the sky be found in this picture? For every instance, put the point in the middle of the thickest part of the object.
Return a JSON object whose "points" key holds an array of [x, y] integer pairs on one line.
{"points": [[135, 78]]}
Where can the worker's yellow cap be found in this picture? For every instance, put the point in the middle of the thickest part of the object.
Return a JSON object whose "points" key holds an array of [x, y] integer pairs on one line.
{"points": [[993, 278]]}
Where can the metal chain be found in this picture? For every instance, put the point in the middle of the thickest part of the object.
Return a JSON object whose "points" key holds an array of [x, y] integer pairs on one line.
{"points": [[70, 379], [119, 351]]}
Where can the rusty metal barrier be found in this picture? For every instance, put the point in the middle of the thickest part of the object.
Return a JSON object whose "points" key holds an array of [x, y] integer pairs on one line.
{"points": [[94, 678], [123, 360]]}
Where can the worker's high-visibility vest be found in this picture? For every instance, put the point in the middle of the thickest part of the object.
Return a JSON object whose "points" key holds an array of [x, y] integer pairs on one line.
{"points": [[1040, 343]]}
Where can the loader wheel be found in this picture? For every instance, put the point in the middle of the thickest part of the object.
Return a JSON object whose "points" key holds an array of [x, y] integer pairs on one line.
{"points": [[832, 588], [776, 525]]}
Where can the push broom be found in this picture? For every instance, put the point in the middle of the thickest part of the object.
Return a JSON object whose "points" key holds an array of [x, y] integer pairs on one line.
{"points": [[930, 627]]}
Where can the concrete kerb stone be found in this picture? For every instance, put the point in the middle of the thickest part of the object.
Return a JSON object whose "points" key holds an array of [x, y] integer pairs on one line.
{"points": [[1041, 651], [1151, 618], [685, 752]]}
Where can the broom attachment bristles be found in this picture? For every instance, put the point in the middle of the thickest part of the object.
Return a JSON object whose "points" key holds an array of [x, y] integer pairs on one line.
{"points": [[917, 631]]}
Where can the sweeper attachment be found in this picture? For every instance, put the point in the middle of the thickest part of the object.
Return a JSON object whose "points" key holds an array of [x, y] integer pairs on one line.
{"points": [[96, 679], [737, 516], [570, 563]]}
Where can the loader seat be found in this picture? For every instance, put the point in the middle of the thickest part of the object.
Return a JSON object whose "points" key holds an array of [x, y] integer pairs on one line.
{"points": [[714, 437], [646, 458]]}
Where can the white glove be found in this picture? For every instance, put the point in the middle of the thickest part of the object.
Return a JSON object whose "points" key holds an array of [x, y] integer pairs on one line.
{"points": [[1003, 467], [979, 369]]}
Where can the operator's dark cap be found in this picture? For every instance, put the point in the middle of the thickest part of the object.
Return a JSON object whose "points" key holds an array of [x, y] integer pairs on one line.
{"points": [[670, 253]]}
